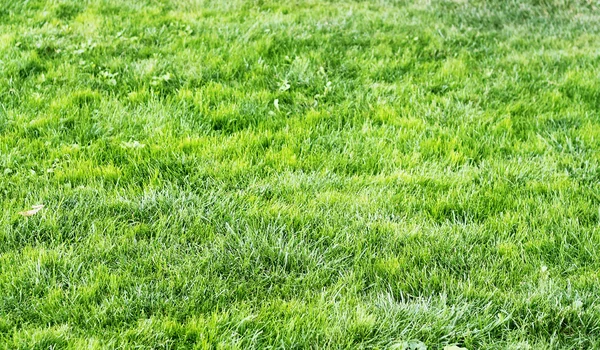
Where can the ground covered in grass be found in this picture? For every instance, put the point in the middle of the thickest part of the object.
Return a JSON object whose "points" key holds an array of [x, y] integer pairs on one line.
{"points": [[295, 174]]}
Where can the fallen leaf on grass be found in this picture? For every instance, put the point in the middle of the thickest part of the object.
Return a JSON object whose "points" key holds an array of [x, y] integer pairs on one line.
{"points": [[33, 211]]}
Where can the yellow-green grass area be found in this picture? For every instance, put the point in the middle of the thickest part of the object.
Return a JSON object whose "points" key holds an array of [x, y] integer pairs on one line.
{"points": [[380, 174]]}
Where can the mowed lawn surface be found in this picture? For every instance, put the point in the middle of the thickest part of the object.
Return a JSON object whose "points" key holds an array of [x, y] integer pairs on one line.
{"points": [[300, 174]]}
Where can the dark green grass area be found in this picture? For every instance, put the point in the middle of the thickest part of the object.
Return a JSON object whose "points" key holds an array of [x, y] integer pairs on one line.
{"points": [[300, 174]]}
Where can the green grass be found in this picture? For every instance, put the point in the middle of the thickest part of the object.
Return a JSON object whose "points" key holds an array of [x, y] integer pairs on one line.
{"points": [[300, 174]]}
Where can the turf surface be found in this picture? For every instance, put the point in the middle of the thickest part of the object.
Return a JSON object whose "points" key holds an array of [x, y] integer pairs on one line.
{"points": [[300, 174]]}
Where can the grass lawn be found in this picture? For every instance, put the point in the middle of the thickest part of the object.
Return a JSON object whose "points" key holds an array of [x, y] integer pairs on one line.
{"points": [[381, 174]]}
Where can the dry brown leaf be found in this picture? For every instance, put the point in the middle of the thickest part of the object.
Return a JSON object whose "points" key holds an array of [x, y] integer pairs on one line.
{"points": [[33, 211]]}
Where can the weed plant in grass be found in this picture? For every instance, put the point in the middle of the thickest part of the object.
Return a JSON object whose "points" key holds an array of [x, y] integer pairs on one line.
{"points": [[300, 174]]}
